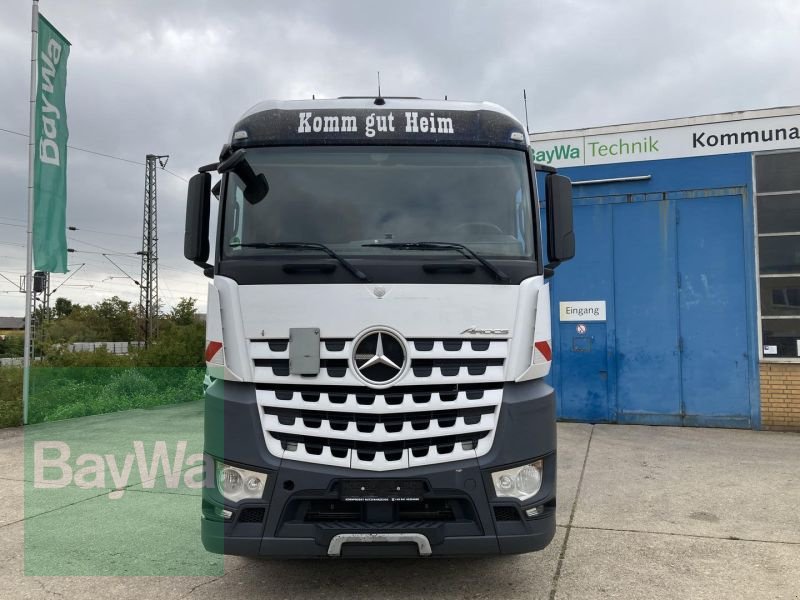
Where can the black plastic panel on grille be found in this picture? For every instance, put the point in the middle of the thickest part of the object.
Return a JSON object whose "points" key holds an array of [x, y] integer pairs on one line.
{"points": [[506, 513], [252, 515], [453, 345], [280, 366], [450, 367]]}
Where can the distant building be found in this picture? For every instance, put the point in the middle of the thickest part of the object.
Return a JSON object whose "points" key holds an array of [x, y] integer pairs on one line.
{"points": [[12, 323]]}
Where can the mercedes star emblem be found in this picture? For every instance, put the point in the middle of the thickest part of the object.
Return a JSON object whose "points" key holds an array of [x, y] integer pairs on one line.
{"points": [[379, 357]]}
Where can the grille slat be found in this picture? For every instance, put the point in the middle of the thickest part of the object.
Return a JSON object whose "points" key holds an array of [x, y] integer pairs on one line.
{"points": [[384, 403], [444, 444], [411, 430], [434, 377]]}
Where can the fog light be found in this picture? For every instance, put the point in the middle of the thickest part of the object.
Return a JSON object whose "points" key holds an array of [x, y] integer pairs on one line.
{"points": [[253, 484], [520, 482], [505, 482], [238, 484]]}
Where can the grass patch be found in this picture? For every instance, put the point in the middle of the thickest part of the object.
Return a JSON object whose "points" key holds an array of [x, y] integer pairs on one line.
{"points": [[68, 392], [65, 393], [10, 396]]}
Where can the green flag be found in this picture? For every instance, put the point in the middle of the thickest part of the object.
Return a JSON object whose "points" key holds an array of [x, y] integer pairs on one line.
{"points": [[50, 162]]}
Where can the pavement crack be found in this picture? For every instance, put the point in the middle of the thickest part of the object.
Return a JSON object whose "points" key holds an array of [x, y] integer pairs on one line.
{"points": [[52, 510], [44, 588], [210, 581], [562, 553], [724, 538]]}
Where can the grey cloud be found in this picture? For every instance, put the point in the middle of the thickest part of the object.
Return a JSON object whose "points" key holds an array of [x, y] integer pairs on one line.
{"points": [[151, 76]]}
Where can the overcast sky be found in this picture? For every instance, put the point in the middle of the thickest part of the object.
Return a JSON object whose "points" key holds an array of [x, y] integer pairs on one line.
{"points": [[172, 77]]}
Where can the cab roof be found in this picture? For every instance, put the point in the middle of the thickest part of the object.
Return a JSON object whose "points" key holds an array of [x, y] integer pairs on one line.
{"points": [[378, 120]]}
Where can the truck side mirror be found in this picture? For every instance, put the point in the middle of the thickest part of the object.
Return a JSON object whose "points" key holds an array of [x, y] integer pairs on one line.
{"points": [[560, 235], [255, 186], [196, 246]]}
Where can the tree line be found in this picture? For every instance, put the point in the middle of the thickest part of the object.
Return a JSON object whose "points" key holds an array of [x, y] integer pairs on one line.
{"points": [[180, 340]]}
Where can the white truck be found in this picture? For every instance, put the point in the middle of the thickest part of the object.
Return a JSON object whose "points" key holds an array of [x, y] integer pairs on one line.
{"points": [[378, 331]]}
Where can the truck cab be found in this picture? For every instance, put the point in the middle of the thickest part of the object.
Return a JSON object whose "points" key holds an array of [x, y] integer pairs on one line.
{"points": [[378, 331]]}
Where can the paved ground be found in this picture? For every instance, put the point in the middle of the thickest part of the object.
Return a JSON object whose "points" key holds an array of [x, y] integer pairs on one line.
{"points": [[643, 513]]}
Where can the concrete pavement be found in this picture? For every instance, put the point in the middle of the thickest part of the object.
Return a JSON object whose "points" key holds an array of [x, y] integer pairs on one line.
{"points": [[643, 512]]}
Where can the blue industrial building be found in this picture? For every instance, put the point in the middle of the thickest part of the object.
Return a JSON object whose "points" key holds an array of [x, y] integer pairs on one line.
{"points": [[687, 272]]}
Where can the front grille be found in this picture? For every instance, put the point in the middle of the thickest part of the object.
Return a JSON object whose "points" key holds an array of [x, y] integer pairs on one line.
{"points": [[336, 511], [444, 408]]}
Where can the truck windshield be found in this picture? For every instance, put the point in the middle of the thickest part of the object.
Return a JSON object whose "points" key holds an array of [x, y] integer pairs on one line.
{"points": [[350, 197]]}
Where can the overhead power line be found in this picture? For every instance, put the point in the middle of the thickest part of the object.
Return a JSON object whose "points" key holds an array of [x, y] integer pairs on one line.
{"points": [[106, 248], [103, 154], [114, 233], [67, 279], [70, 228], [121, 270], [14, 132]]}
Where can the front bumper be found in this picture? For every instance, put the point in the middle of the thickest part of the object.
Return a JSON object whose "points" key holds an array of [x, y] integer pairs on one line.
{"points": [[301, 513]]}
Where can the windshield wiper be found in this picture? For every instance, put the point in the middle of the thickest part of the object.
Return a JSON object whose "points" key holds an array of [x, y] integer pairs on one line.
{"points": [[468, 252], [309, 246]]}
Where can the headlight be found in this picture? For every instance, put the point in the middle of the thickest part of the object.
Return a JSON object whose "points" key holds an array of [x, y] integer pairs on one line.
{"points": [[520, 482], [239, 484]]}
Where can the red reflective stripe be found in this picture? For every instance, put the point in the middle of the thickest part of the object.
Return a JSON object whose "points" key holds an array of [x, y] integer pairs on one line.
{"points": [[212, 349], [544, 348]]}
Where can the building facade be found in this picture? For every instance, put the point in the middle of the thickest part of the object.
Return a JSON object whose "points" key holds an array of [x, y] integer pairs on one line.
{"points": [[682, 306]]}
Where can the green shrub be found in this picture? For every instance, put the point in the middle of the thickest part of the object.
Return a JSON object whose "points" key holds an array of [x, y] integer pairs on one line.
{"points": [[176, 346], [59, 356], [11, 345]]}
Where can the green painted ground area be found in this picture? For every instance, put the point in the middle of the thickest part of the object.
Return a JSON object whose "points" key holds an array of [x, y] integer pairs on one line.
{"points": [[117, 494]]}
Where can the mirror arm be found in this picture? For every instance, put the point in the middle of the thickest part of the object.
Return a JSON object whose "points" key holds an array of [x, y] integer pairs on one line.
{"points": [[208, 168], [208, 270], [550, 269]]}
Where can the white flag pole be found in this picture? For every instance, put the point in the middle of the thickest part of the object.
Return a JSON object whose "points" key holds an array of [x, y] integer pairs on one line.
{"points": [[26, 361]]}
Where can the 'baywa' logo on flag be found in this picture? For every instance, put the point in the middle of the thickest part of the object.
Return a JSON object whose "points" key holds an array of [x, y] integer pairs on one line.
{"points": [[50, 157]]}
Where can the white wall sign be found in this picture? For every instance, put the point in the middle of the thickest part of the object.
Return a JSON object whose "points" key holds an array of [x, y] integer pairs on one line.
{"points": [[770, 350], [726, 137], [590, 310]]}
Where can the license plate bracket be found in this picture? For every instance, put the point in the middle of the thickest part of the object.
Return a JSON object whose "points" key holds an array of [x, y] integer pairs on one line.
{"points": [[381, 490]]}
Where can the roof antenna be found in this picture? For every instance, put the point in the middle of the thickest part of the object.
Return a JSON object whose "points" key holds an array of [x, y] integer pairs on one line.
{"points": [[525, 99], [379, 100]]}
